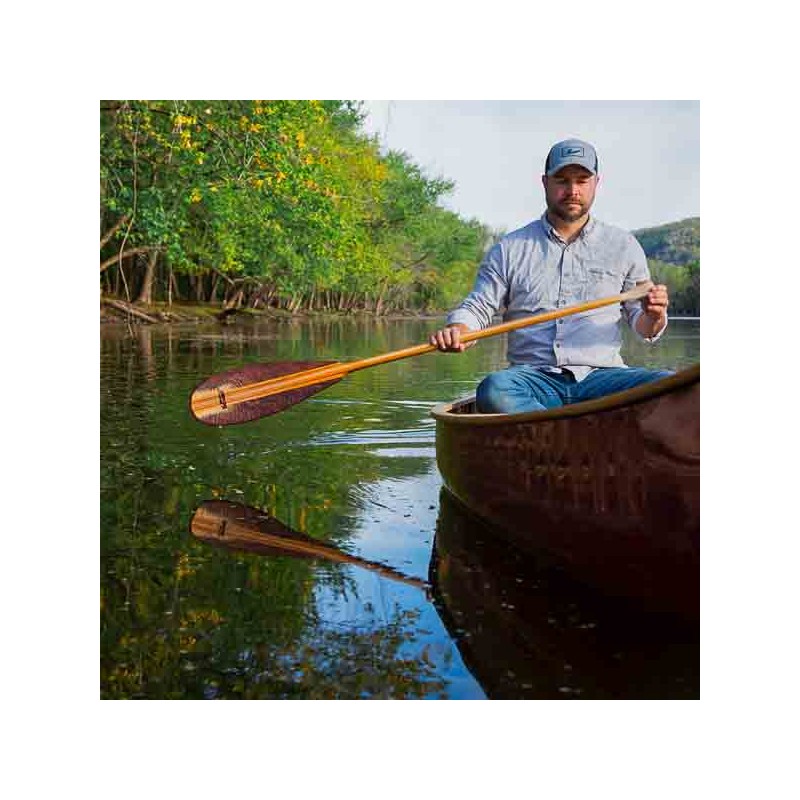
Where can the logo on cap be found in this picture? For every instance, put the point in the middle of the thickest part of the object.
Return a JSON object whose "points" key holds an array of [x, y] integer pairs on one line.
{"points": [[566, 152]]}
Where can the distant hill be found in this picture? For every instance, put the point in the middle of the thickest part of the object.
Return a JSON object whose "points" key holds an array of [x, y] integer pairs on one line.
{"points": [[673, 256], [674, 243]]}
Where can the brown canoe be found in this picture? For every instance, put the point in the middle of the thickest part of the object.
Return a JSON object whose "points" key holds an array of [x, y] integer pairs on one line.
{"points": [[611, 486]]}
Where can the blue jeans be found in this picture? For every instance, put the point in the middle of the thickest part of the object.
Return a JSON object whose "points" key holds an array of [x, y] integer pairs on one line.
{"points": [[524, 388]]}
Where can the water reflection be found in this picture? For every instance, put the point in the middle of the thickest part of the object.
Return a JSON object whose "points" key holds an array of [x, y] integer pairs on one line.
{"points": [[238, 527], [352, 467], [522, 627], [357, 638], [527, 631]]}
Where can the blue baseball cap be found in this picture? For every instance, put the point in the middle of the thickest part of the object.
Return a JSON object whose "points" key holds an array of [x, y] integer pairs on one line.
{"points": [[571, 151]]}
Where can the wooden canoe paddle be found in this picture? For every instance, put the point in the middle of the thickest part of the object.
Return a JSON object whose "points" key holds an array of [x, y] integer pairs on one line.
{"points": [[259, 390], [238, 527]]}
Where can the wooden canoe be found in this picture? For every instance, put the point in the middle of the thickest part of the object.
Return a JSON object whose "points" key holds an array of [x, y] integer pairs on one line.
{"points": [[611, 487]]}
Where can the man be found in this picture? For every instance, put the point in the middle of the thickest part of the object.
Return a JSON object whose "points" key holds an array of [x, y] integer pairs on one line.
{"points": [[564, 258]]}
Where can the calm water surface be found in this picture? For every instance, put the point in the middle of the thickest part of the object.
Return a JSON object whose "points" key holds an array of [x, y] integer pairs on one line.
{"points": [[459, 615]]}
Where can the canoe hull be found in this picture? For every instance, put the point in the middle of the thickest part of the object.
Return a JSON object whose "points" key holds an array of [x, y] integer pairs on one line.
{"points": [[612, 490]]}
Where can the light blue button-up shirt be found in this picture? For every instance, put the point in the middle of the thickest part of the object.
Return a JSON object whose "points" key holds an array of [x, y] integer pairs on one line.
{"points": [[532, 270]]}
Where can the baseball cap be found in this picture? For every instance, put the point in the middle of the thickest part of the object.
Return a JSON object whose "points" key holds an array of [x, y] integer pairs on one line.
{"points": [[571, 151]]}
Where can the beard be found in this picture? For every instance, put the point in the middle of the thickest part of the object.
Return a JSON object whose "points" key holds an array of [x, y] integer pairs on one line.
{"points": [[569, 212]]}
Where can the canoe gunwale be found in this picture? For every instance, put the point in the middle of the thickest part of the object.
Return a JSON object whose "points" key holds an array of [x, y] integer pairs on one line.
{"points": [[639, 394]]}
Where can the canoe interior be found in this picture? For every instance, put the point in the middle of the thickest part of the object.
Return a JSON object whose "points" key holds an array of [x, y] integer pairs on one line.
{"points": [[464, 410], [611, 487]]}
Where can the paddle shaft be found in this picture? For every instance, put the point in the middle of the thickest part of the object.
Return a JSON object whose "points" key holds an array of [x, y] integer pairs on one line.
{"points": [[634, 294], [335, 372]]}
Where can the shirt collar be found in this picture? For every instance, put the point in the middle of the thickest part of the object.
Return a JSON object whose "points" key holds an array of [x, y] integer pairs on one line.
{"points": [[586, 230]]}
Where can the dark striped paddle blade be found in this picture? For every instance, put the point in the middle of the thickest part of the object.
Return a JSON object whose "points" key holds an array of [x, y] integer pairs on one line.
{"points": [[209, 401]]}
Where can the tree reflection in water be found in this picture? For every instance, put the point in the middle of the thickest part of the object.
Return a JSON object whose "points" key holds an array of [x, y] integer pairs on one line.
{"points": [[243, 621]]}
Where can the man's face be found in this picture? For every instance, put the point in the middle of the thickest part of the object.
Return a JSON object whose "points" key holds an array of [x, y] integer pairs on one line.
{"points": [[570, 192]]}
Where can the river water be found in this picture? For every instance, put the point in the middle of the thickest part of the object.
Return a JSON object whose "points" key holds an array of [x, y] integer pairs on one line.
{"points": [[457, 615]]}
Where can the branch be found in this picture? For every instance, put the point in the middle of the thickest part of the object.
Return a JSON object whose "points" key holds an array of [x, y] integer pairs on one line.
{"points": [[122, 220], [118, 106], [222, 275], [127, 254], [413, 264], [128, 309]]}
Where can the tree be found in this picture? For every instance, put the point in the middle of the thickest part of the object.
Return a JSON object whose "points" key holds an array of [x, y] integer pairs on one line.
{"points": [[281, 202]]}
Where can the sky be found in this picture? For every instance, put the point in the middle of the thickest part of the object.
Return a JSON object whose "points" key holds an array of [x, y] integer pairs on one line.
{"points": [[494, 151]]}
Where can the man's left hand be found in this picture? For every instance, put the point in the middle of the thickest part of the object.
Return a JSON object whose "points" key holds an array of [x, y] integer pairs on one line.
{"points": [[655, 304]]}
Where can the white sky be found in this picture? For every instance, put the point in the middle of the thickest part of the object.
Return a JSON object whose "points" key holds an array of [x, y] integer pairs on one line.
{"points": [[494, 151]]}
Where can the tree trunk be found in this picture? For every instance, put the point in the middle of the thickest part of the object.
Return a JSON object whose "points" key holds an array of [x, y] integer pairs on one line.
{"points": [[214, 284], [146, 292], [175, 289]]}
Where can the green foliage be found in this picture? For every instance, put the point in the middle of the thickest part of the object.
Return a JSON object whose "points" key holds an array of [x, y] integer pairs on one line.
{"points": [[289, 196], [673, 253]]}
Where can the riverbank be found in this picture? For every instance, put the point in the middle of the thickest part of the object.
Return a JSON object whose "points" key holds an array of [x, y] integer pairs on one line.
{"points": [[117, 312]]}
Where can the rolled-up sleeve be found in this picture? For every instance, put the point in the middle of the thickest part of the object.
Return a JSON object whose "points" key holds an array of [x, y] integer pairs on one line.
{"points": [[637, 273], [489, 294]]}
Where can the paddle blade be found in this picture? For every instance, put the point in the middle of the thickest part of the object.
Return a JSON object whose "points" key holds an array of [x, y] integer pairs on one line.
{"points": [[214, 403]]}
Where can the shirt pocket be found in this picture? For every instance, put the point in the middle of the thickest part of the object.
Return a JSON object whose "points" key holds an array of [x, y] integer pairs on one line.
{"points": [[602, 281]]}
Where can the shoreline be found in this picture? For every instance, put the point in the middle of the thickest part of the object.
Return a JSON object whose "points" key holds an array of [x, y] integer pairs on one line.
{"points": [[118, 312]]}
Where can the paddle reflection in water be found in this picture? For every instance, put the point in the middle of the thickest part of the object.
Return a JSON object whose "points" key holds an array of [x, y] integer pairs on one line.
{"points": [[527, 631], [239, 527], [346, 646]]}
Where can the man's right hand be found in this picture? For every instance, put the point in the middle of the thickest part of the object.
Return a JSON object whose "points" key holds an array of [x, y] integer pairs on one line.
{"points": [[448, 339]]}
